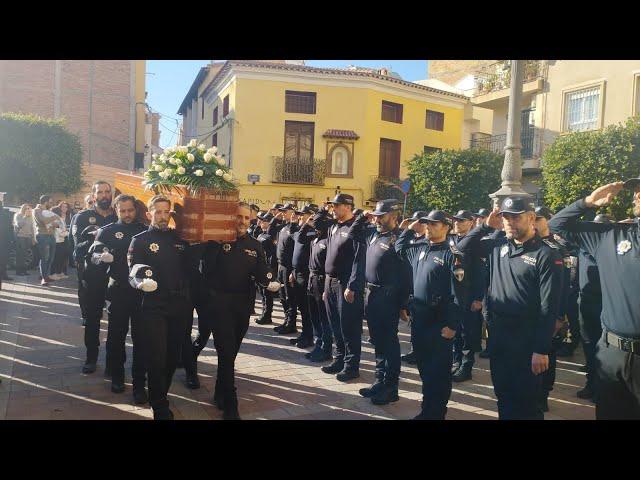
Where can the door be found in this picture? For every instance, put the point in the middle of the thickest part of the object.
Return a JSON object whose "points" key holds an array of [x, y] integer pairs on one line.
{"points": [[298, 140], [527, 133], [389, 158]]}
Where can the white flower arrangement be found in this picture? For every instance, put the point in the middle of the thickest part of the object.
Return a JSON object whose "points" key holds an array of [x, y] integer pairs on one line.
{"points": [[190, 157]]}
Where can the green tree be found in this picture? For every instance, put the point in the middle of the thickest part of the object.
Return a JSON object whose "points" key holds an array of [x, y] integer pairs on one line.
{"points": [[576, 164], [38, 155], [453, 179]]}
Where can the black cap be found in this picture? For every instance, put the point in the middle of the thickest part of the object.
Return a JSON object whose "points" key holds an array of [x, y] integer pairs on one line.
{"points": [[463, 215], [632, 183], [516, 205], [265, 217], [311, 208], [88, 233], [342, 199], [602, 218], [254, 207], [418, 214], [483, 212], [543, 212], [276, 206], [287, 206], [436, 216], [386, 206]]}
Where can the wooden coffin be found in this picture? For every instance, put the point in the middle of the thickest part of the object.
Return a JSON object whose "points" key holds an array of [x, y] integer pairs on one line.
{"points": [[210, 215]]}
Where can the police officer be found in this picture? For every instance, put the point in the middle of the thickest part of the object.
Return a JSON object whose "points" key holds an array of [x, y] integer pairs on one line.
{"points": [[322, 351], [254, 231], [92, 297], [616, 250], [387, 294], [434, 320], [125, 301], [344, 290], [284, 251], [469, 293], [228, 269], [524, 300], [198, 294], [299, 277], [479, 217], [159, 267], [269, 247], [590, 309]]}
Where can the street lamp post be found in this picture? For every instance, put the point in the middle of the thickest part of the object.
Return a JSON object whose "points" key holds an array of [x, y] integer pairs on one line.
{"points": [[512, 167]]}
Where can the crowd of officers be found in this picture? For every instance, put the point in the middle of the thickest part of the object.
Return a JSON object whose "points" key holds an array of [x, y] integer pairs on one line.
{"points": [[536, 283]]}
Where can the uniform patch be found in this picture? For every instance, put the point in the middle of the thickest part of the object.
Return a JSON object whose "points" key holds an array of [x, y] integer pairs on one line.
{"points": [[148, 273], [623, 247], [74, 229], [508, 203], [92, 220], [529, 260], [384, 246], [154, 247], [251, 253], [344, 234], [459, 273], [323, 246], [119, 235], [438, 260], [226, 247], [504, 250], [422, 254], [179, 247], [269, 275]]}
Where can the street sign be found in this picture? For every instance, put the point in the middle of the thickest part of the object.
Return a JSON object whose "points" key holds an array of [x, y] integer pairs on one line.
{"points": [[405, 186], [253, 178]]}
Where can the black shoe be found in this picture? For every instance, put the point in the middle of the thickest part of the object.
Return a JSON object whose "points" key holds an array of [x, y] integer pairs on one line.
{"points": [[164, 414], [321, 356], [89, 367], [335, 367], [279, 328], [455, 367], [84, 322], [231, 414], [410, 358], [305, 343], [484, 354], [369, 392], [287, 329], [193, 383], [218, 401], [544, 404], [566, 350], [117, 386], [293, 341], [462, 375], [385, 396], [140, 396], [264, 321], [586, 393], [312, 352], [346, 375]]}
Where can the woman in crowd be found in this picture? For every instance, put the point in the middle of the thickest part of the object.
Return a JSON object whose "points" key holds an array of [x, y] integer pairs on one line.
{"points": [[25, 236]]}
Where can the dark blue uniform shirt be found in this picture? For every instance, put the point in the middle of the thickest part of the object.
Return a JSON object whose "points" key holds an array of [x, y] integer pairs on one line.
{"points": [[345, 256], [302, 248], [285, 245]]}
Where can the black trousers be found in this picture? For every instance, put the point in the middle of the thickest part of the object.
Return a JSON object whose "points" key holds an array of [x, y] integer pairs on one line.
{"points": [[254, 292], [230, 313], [618, 385], [189, 354], [60, 258], [591, 331], [382, 311], [515, 385], [125, 307], [287, 297], [318, 314], [346, 322], [163, 322], [301, 300], [267, 302], [573, 315], [82, 290], [549, 377], [468, 339], [94, 297], [205, 329]]}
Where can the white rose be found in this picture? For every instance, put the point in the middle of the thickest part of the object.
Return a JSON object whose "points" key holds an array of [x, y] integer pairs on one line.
{"points": [[168, 171], [177, 162], [227, 177], [172, 161], [202, 147], [190, 157], [213, 150], [163, 157], [183, 149], [193, 143], [219, 173], [199, 173], [220, 161], [167, 151], [158, 168], [154, 156], [207, 157], [181, 170]]}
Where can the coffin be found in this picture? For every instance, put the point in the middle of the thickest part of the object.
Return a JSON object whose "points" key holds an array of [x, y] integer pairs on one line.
{"points": [[210, 215]]}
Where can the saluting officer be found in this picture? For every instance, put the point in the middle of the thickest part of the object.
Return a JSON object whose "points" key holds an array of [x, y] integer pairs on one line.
{"points": [[524, 300], [268, 244], [344, 290], [91, 297], [253, 231], [387, 294], [616, 250], [284, 251], [479, 217], [159, 267], [228, 269], [125, 301]]}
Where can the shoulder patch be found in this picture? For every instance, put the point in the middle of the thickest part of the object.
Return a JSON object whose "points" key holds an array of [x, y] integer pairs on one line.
{"points": [[550, 243]]}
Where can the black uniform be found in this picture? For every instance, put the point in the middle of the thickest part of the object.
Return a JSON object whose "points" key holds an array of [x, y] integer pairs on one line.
{"points": [[125, 303], [78, 223], [524, 300], [165, 311], [284, 252], [300, 261], [616, 250], [269, 248], [197, 290], [6, 239], [317, 308], [228, 270]]}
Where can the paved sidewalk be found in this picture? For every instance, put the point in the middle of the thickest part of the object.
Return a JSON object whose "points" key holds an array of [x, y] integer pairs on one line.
{"points": [[42, 353]]}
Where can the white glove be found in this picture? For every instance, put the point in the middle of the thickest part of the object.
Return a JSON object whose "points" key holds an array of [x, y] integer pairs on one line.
{"points": [[106, 257], [274, 286], [148, 285]]}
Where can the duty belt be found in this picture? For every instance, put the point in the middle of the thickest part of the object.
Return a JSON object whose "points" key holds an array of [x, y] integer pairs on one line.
{"points": [[373, 285], [625, 344]]}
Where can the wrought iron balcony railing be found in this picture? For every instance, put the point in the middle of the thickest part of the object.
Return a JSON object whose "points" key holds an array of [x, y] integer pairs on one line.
{"points": [[497, 76], [307, 171], [531, 140]]}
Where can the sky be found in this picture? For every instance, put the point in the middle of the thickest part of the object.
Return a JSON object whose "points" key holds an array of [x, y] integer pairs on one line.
{"points": [[169, 80]]}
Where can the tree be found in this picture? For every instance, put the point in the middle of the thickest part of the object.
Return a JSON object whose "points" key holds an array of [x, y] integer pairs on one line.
{"points": [[576, 164], [38, 155], [453, 179]]}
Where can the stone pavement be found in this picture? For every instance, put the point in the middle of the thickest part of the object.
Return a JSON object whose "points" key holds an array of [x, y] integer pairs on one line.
{"points": [[42, 353]]}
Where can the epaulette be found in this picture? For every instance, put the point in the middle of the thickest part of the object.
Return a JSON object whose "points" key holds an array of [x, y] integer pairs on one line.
{"points": [[454, 249], [486, 237], [551, 244]]}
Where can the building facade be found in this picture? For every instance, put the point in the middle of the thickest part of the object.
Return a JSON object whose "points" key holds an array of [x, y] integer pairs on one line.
{"points": [[102, 102], [297, 133]]}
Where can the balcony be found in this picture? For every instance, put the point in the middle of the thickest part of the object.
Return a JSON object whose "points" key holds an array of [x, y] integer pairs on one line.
{"points": [[385, 187], [491, 84], [530, 139], [304, 171]]}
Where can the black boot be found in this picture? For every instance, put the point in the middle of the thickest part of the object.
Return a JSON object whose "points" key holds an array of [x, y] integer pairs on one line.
{"points": [[462, 374], [305, 343], [586, 393], [321, 356], [388, 394], [117, 384], [288, 328], [231, 407], [193, 383], [334, 368], [375, 387], [89, 366], [264, 320], [484, 353], [347, 374], [308, 355], [140, 396], [410, 358], [163, 414]]}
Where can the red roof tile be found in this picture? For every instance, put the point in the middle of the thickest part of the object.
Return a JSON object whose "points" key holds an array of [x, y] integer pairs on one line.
{"points": [[349, 134]]}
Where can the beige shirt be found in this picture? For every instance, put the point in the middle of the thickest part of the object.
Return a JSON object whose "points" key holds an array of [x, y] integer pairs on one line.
{"points": [[44, 224]]}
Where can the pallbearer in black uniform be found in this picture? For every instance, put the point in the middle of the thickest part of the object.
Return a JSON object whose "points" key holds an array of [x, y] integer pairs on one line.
{"points": [[228, 271], [159, 267], [269, 246], [109, 254]]}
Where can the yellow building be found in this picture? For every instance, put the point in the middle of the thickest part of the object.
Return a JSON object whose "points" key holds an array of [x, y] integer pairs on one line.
{"points": [[297, 133]]}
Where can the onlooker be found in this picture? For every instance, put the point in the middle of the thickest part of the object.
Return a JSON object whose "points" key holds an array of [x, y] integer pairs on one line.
{"points": [[25, 236], [61, 257], [45, 222]]}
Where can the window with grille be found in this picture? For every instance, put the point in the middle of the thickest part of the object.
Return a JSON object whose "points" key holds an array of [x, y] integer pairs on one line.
{"points": [[214, 140], [391, 112], [434, 120], [225, 106], [428, 149], [582, 110], [300, 102], [215, 116]]}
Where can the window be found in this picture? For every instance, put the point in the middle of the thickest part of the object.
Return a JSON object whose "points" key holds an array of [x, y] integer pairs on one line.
{"points": [[434, 120], [298, 140], [214, 140], [582, 109], [300, 102], [215, 116], [391, 112], [389, 158], [225, 106], [428, 149]]}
